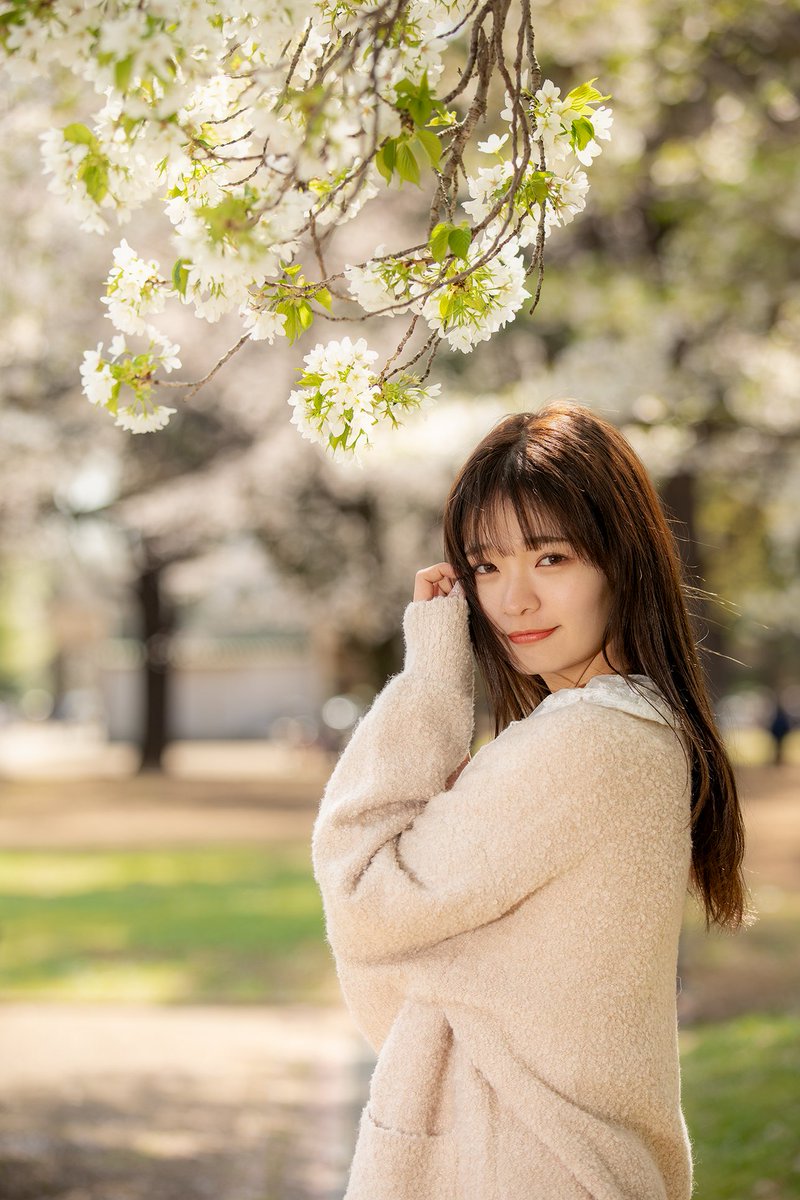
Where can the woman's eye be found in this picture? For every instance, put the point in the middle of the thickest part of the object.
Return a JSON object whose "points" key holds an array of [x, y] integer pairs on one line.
{"points": [[487, 568]]}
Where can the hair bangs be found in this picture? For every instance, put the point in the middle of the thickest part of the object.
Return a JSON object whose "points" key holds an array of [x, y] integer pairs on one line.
{"points": [[544, 512]]}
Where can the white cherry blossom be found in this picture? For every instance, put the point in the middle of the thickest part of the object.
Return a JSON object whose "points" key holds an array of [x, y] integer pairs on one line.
{"points": [[96, 377], [261, 130], [143, 420], [263, 325]]}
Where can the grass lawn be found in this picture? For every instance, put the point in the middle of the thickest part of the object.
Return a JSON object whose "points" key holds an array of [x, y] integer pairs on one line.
{"points": [[741, 1100], [205, 925]]}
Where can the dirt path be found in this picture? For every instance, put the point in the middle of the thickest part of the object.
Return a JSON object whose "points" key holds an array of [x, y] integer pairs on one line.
{"points": [[771, 803], [123, 1102], [157, 810]]}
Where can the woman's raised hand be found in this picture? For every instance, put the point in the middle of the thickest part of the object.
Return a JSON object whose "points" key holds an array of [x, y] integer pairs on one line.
{"points": [[438, 580]]}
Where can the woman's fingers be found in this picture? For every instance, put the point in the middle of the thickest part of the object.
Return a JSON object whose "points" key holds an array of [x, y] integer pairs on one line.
{"points": [[437, 580]]}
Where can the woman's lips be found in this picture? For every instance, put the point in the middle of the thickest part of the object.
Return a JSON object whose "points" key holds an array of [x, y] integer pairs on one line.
{"points": [[531, 635]]}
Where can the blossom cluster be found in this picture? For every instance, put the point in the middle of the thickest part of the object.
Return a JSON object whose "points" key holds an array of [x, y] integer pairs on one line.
{"points": [[464, 302], [262, 128], [340, 399], [570, 131], [122, 383]]}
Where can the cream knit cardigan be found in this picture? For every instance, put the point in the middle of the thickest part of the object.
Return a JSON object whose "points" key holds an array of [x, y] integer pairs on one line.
{"points": [[509, 946]]}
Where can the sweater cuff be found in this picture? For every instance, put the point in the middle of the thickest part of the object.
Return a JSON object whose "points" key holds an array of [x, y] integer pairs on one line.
{"points": [[437, 641]]}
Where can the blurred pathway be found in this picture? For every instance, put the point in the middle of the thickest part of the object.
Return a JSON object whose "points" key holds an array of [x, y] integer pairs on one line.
{"points": [[62, 788], [121, 1102]]}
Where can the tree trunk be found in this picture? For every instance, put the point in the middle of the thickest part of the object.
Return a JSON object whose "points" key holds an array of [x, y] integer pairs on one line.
{"points": [[356, 662], [157, 619]]}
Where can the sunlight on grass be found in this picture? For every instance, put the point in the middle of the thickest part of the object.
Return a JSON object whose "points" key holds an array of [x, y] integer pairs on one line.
{"points": [[757, 968], [44, 873], [196, 924], [244, 925], [134, 983]]}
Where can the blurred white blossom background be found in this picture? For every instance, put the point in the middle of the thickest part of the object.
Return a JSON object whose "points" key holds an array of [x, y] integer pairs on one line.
{"points": [[670, 303]]}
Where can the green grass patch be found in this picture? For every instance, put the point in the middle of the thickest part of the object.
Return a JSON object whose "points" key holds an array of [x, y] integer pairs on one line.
{"points": [[222, 925], [741, 1099]]}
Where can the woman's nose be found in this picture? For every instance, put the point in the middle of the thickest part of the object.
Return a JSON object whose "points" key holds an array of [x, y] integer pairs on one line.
{"points": [[520, 595]]}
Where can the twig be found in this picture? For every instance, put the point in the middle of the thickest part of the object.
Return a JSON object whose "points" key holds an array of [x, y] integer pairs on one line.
{"points": [[194, 388]]}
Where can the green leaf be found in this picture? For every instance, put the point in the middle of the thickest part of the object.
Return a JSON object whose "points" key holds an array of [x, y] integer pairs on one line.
{"points": [[323, 297], [431, 145], [416, 99], [439, 240], [443, 118], [79, 135], [292, 270], [407, 165], [296, 327], [584, 95], [582, 132], [386, 158], [380, 163], [299, 317], [292, 326], [228, 219], [536, 189], [460, 240], [180, 275], [95, 177], [123, 70], [420, 110], [112, 404]]}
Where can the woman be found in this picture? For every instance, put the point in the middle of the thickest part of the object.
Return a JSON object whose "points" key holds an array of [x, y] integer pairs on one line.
{"points": [[506, 929]]}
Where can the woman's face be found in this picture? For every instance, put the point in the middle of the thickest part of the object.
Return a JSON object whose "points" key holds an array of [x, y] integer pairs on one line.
{"points": [[547, 588]]}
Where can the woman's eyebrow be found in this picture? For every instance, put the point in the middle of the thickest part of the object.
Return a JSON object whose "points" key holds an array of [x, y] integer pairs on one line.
{"points": [[536, 543]]}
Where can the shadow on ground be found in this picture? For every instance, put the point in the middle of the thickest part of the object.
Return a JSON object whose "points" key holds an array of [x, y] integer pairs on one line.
{"points": [[155, 1142]]}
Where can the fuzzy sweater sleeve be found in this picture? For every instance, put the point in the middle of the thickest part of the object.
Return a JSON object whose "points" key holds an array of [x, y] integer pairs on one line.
{"points": [[403, 864]]}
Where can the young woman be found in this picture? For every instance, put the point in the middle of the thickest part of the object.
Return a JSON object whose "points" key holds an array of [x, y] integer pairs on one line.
{"points": [[506, 929]]}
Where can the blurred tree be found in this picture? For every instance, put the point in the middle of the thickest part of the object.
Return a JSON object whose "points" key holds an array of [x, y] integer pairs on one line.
{"points": [[58, 464], [672, 306]]}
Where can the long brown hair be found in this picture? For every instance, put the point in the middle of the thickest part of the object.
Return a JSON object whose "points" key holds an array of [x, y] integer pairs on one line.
{"points": [[571, 468]]}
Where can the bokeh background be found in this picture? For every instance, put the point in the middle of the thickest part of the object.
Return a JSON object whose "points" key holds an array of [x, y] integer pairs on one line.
{"points": [[192, 621]]}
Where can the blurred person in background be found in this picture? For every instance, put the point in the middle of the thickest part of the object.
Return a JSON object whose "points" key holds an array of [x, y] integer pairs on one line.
{"points": [[779, 726]]}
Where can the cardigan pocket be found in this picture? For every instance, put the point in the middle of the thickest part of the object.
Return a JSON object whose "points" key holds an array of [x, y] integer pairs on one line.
{"points": [[390, 1164], [406, 1139], [412, 1085]]}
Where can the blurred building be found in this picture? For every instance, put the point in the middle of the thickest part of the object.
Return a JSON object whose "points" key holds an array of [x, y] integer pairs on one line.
{"points": [[237, 686]]}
